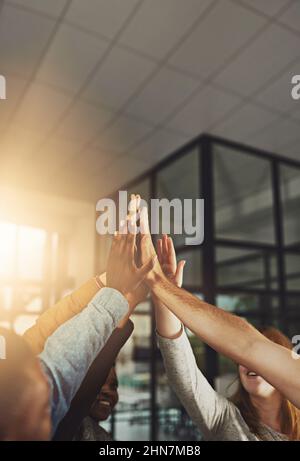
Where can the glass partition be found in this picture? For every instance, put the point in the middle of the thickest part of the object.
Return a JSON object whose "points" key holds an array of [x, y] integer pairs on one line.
{"points": [[248, 264], [290, 196], [243, 196], [180, 180]]}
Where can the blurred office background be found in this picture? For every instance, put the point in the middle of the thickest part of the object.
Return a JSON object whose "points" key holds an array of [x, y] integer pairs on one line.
{"points": [[166, 98]]}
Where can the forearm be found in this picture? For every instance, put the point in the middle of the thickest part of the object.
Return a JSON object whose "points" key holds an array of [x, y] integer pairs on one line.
{"points": [[70, 351], [167, 324], [233, 337], [214, 326]]}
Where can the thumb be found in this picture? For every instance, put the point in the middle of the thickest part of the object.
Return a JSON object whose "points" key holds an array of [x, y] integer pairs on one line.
{"points": [[179, 273]]}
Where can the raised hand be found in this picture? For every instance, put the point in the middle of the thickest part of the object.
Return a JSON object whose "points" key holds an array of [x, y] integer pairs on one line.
{"points": [[168, 262], [122, 272], [146, 247]]}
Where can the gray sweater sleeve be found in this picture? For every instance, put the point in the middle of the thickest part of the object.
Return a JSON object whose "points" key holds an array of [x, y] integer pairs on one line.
{"points": [[209, 410], [72, 348]]}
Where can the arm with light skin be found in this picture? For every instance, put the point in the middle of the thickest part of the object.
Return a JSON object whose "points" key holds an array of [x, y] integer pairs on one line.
{"points": [[209, 410], [167, 324], [226, 333]]}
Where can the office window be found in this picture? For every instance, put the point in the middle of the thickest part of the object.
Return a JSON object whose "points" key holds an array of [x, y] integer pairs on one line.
{"points": [[8, 236], [28, 274], [243, 196], [290, 193], [180, 180], [293, 315], [192, 274], [245, 265], [239, 303], [246, 268], [292, 270]]}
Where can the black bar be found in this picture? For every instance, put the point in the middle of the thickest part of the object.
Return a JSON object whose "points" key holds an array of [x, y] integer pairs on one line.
{"points": [[208, 259], [278, 221]]}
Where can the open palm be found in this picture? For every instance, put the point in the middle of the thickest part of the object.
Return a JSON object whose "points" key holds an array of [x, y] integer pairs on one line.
{"points": [[167, 258]]}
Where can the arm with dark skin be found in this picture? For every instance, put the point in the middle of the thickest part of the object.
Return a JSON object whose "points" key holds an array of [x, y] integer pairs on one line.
{"points": [[226, 333]]}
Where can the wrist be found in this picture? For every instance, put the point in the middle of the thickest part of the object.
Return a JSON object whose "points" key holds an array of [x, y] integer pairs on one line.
{"points": [[131, 300], [154, 278]]}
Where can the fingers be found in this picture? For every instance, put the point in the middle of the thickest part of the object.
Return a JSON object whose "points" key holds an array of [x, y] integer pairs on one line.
{"points": [[119, 240], [131, 237], [138, 201], [159, 250], [171, 251], [144, 221], [165, 250], [131, 224], [179, 273], [132, 208]]}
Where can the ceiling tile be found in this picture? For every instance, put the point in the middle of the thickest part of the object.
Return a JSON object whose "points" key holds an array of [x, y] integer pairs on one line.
{"points": [[292, 150], [72, 56], [92, 162], [53, 8], [205, 109], [220, 35], [261, 61], [118, 78], [162, 95], [101, 16], [291, 16], [54, 155], [122, 135], [83, 122], [244, 122], [16, 146], [296, 112], [158, 26], [20, 50], [159, 145], [19, 135], [277, 134], [41, 108], [278, 94], [121, 171], [268, 7]]}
